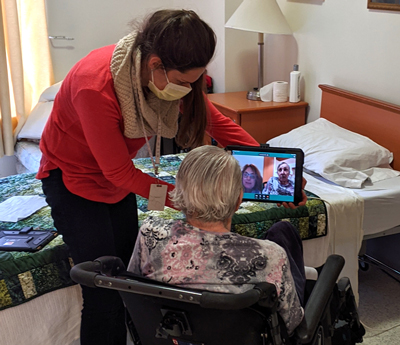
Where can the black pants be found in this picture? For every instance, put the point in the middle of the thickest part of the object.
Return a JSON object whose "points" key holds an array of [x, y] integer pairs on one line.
{"points": [[287, 236], [93, 229]]}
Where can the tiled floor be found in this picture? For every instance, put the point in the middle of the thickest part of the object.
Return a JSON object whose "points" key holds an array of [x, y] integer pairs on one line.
{"points": [[379, 307]]}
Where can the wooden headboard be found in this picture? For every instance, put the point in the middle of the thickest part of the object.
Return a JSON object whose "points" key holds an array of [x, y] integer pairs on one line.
{"points": [[378, 120]]}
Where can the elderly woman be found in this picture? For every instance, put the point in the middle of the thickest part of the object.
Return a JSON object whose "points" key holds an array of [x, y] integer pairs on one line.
{"points": [[281, 185], [202, 253]]}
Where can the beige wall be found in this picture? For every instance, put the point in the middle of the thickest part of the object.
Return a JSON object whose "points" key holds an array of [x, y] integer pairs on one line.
{"points": [[95, 23], [337, 42], [92, 24], [211, 11], [340, 42]]}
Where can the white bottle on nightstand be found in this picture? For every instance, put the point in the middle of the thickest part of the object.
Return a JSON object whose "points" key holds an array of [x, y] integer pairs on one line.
{"points": [[294, 93]]}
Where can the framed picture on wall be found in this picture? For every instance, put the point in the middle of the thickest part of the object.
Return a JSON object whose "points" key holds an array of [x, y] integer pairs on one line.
{"points": [[389, 5]]}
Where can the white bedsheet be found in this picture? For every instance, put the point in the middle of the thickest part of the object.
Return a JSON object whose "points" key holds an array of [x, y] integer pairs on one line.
{"points": [[381, 205], [345, 210], [51, 319], [28, 157]]}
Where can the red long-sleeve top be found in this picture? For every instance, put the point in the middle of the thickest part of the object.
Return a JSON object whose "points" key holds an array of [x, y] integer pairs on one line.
{"points": [[84, 135]]}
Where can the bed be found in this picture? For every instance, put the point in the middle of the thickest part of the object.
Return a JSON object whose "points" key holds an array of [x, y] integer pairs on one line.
{"points": [[354, 214], [39, 285], [27, 151], [323, 227], [379, 121]]}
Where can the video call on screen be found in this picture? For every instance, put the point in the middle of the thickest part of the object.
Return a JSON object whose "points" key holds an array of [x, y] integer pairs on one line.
{"points": [[267, 176]]}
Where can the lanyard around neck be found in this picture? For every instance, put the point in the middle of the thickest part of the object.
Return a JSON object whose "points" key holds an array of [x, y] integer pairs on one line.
{"points": [[156, 162]]}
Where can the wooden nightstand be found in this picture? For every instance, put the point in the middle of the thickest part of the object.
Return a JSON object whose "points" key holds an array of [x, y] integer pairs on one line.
{"points": [[262, 120]]}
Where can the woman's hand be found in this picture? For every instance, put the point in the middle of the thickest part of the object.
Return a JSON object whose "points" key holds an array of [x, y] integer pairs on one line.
{"points": [[301, 203]]}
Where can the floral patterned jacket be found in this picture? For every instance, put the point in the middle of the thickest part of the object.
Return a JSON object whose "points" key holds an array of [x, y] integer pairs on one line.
{"points": [[177, 253]]}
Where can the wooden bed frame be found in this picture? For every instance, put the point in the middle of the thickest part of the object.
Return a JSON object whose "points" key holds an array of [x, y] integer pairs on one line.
{"points": [[378, 120]]}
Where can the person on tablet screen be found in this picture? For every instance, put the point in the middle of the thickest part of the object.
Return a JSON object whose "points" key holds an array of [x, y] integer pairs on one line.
{"points": [[251, 179], [281, 185]]}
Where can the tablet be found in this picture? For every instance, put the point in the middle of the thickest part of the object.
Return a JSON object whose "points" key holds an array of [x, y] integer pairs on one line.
{"points": [[26, 239], [270, 174]]}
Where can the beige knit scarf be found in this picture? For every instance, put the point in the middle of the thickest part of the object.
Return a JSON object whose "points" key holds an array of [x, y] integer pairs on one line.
{"points": [[125, 68]]}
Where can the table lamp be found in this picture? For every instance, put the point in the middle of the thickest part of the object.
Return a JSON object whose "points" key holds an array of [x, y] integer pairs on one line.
{"points": [[262, 16]]}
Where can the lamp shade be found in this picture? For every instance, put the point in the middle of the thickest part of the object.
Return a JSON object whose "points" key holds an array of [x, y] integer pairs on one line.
{"points": [[262, 16]]}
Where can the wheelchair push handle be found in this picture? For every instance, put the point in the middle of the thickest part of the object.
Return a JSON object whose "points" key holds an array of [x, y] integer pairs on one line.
{"points": [[320, 297], [85, 273]]}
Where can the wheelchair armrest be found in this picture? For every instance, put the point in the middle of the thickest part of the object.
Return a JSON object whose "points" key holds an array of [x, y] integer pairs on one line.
{"points": [[319, 298], [85, 272], [260, 292]]}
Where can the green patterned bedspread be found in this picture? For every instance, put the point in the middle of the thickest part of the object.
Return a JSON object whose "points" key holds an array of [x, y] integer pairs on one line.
{"points": [[24, 276]]}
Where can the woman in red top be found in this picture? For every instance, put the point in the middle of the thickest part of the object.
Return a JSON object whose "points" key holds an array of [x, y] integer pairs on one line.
{"points": [[109, 104]]}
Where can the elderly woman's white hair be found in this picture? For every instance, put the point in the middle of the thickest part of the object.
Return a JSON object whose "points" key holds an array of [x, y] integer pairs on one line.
{"points": [[208, 184]]}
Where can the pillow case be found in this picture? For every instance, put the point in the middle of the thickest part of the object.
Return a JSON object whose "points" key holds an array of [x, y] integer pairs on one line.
{"points": [[34, 125], [337, 154], [50, 93]]}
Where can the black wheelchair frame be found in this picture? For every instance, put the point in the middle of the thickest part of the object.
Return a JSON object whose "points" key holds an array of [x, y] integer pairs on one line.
{"points": [[166, 314]]}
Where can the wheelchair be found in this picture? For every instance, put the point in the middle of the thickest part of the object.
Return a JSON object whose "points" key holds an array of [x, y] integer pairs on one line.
{"points": [[160, 313]]}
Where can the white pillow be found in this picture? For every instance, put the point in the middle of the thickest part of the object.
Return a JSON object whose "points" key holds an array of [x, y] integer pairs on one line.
{"points": [[50, 93], [34, 125], [337, 154]]}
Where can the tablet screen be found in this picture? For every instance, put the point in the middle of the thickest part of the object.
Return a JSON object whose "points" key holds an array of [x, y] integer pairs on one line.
{"points": [[270, 174]]}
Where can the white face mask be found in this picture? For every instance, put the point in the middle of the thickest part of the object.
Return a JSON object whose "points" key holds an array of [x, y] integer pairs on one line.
{"points": [[171, 92]]}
